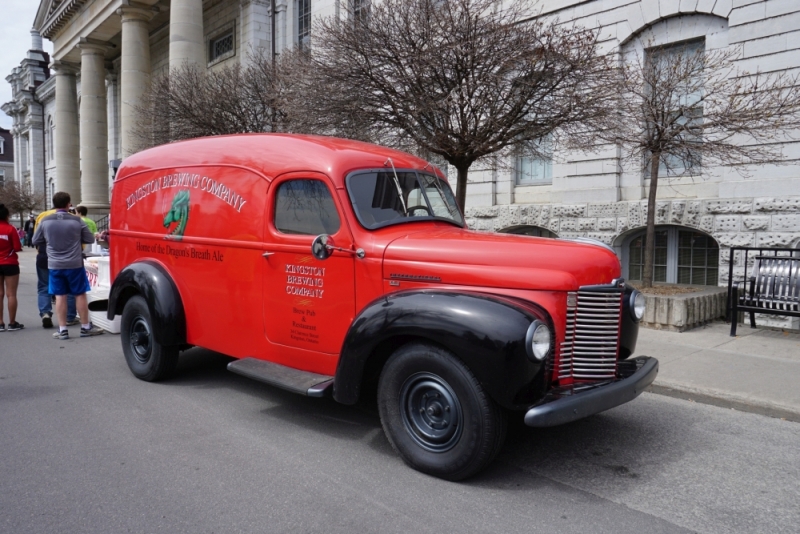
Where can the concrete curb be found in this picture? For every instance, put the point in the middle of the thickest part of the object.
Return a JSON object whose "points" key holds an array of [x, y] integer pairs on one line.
{"points": [[724, 400]]}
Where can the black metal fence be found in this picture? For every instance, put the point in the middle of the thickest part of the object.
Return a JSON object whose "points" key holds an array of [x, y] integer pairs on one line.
{"points": [[102, 223]]}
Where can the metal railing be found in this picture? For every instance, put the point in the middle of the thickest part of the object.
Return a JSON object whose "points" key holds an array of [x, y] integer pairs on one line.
{"points": [[102, 223], [758, 256]]}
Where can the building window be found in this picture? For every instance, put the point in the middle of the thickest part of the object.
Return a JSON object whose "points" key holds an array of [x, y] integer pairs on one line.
{"points": [[2, 146], [50, 138], [681, 256], [221, 47], [2, 177], [530, 169], [359, 10], [686, 100], [303, 24]]}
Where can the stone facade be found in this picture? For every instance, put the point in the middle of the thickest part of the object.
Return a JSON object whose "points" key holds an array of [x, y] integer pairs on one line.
{"points": [[741, 222], [6, 156], [603, 195], [73, 112]]}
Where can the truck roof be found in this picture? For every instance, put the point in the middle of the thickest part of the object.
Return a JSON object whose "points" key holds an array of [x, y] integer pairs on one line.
{"points": [[273, 154]]}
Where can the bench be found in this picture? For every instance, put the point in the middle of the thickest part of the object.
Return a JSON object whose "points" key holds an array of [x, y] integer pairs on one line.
{"points": [[773, 289]]}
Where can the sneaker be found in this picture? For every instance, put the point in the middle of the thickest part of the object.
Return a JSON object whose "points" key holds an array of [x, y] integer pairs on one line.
{"points": [[61, 334], [74, 322], [47, 320], [92, 331], [15, 326], [2, 327]]}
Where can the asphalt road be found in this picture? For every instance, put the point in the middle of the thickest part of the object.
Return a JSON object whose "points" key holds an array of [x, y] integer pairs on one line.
{"points": [[86, 447]]}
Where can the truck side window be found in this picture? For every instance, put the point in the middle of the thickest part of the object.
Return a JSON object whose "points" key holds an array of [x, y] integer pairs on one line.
{"points": [[305, 207]]}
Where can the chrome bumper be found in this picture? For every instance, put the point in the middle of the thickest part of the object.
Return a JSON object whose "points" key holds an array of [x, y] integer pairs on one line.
{"points": [[568, 408]]}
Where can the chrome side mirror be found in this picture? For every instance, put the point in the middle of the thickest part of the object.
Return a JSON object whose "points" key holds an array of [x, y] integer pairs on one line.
{"points": [[322, 247]]}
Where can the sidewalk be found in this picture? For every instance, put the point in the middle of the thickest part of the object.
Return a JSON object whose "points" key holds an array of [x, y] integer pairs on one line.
{"points": [[757, 371]]}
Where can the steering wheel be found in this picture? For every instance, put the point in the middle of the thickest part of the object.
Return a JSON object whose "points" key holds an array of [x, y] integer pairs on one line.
{"points": [[415, 208]]}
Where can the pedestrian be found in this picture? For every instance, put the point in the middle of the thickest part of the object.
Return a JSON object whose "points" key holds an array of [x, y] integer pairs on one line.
{"points": [[9, 270], [83, 211], [21, 234], [44, 298], [30, 226], [63, 234]]}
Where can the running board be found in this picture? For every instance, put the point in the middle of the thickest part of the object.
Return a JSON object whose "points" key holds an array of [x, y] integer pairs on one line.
{"points": [[275, 374]]}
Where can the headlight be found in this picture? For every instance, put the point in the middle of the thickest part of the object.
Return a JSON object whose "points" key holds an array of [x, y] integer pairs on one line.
{"points": [[538, 341], [637, 305]]}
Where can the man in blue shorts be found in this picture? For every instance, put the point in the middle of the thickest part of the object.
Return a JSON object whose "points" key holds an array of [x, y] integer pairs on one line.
{"points": [[64, 234]]}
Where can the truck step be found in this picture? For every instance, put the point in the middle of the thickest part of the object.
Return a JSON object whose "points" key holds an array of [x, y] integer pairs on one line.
{"points": [[275, 374]]}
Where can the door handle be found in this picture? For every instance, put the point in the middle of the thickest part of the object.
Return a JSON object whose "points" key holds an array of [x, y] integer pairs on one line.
{"points": [[267, 254]]}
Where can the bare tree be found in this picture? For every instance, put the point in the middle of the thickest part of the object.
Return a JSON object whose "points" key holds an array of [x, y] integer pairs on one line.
{"points": [[19, 198], [462, 79], [683, 109], [191, 102]]}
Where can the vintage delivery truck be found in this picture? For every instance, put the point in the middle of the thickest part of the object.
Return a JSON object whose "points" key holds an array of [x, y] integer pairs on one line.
{"points": [[332, 267]]}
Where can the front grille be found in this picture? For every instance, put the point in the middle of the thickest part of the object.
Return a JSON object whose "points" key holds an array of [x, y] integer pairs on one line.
{"points": [[591, 341]]}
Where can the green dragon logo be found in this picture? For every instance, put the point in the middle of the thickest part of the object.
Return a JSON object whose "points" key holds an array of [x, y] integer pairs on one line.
{"points": [[178, 213]]}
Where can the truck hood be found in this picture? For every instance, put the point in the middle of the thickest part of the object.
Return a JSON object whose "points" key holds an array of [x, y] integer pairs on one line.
{"points": [[463, 257]]}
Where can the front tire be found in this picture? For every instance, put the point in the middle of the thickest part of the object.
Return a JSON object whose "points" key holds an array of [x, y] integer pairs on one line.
{"points": [[436, 415], [147, 359]]}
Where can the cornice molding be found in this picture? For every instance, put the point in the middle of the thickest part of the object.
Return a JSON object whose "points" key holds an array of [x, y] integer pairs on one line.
{"points": [[59, 16]]}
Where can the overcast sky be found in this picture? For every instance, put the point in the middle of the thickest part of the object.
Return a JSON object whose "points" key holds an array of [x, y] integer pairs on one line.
{"points": [[16, 21]]}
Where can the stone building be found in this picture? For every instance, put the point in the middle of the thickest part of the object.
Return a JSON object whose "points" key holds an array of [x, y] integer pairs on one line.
{"points": [[701, 212], [106, 51], [73, 114], [6, 156], [32, 94]]}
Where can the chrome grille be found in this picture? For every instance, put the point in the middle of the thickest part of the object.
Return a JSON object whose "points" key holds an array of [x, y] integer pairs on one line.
{"points": [[589, 350]]}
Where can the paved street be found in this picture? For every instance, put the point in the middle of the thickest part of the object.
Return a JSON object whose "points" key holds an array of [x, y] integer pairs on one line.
{"points": [[85, 447]]}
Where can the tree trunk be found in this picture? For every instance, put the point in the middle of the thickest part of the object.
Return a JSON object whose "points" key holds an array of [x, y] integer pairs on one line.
{"points": [[650, 236], [461, 192]]}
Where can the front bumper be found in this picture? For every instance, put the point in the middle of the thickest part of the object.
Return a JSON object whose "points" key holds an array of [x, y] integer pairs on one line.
{"points": [[564, 408]]}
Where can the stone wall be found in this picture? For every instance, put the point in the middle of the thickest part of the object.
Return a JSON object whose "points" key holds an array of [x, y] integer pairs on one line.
{"points": [[740, 222]]}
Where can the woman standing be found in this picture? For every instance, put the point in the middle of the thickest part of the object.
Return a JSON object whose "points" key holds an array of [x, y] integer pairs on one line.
{"points": [[9, 270]]}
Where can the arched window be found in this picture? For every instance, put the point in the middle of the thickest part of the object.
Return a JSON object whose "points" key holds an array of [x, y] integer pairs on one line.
{"points": [[535, 231], [682, 256]]}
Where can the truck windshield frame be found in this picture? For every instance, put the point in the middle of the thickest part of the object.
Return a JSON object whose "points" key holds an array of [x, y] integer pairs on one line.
{"points": [[374, 196]]}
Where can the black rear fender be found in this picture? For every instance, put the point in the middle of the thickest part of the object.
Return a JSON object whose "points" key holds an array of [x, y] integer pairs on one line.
{"points": [[154, 284]]}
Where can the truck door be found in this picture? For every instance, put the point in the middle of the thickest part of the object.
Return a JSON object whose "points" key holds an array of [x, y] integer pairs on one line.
{"points": [[308, 304]]}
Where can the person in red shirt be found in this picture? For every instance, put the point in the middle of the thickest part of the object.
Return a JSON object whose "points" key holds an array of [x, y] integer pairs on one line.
{"points": [[9, 270]]}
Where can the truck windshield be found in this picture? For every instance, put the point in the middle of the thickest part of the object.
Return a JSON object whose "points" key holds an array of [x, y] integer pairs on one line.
{"points": [[377, 202]]}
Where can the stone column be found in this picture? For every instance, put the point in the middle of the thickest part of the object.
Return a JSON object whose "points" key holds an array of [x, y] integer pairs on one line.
{"points": [[68, 173], [93, 127], [186, 38], [281, 28], [134, 70], [255, 28]]}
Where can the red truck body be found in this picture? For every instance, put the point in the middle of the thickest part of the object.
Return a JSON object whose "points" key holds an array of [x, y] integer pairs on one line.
{"points": [[210, 217]]}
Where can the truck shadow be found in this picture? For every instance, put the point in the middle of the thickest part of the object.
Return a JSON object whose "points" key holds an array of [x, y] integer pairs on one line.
{"points": [[618, 446]]}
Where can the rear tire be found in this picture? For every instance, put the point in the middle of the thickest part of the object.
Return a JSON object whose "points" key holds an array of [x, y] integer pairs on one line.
{"points": [[436, 415], [147, 359]]}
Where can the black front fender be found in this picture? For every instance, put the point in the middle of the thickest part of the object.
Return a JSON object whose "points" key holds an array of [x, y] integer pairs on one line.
{"points": [[629, 328], [153, 283], [486, 332]]}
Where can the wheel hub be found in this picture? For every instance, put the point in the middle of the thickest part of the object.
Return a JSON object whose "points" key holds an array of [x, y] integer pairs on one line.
{"points": [[140, 339], [431, 412]]}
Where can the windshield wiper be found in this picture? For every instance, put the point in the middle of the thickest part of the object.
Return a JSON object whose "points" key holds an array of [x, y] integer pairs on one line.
{"points": [[397, 184]]}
